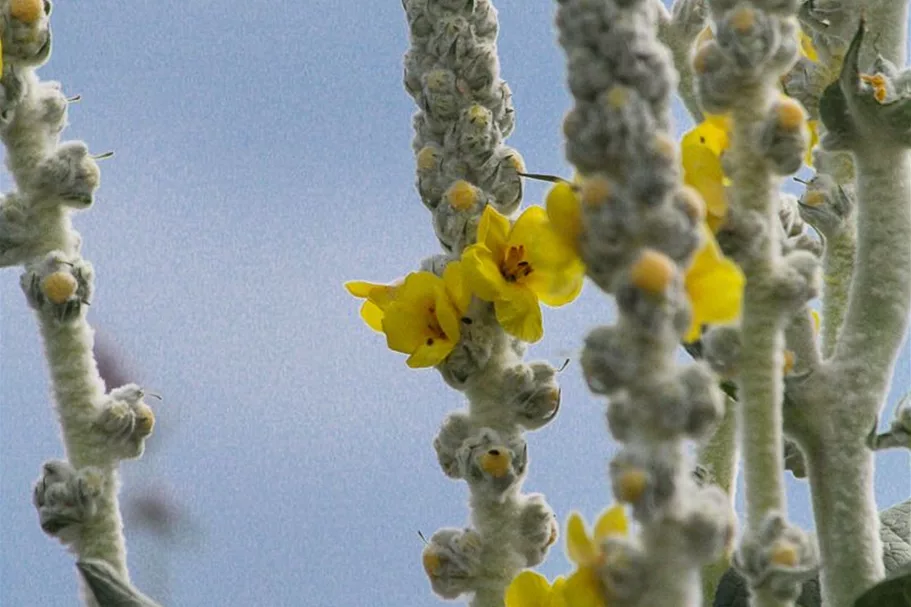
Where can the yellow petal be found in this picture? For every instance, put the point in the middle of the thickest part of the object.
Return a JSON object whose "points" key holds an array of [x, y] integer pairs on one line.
{"points": [[714, 285], [492, 230], [447, 316], [481, 272], [559, 288], [611, 522], [579, 546], [565, 212], [583, 589], [454, 281], [528, 589], [545, 249], [360, 288], [806, 47], [712, 192], [520, 315], [430, 353], [813, 126], [372, 315], [557, 598], [404, 332]]}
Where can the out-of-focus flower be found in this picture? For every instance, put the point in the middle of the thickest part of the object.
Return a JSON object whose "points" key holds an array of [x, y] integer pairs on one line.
{"points": [[517, 267], [714, 285], [420, 316], [701, 149], [584, 587], [564, 211], [806, 47], [531, 589]]}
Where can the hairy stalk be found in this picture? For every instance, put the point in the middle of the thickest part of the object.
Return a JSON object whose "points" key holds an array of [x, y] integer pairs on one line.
{"points": [[759, 383], [720, 456], [842, 401], [837, 267]]}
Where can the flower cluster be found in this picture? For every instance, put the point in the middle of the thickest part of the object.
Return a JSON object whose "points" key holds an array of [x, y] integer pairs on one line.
{"points": [[592, 554], [515, 267]]}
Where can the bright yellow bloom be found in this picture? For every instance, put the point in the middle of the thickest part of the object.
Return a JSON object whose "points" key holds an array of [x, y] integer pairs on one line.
{"points": [[701, 150], [420, 316], [378, 297], [584, 587], [530, 589], [516, 267], [714, 285]]}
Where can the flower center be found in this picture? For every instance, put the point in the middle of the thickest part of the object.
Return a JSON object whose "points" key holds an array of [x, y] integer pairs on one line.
{"points": [[434, 330], [514, 266]]}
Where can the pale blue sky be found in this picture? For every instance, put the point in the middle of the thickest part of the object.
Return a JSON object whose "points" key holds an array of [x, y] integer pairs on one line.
{"points": [[262, 158]]}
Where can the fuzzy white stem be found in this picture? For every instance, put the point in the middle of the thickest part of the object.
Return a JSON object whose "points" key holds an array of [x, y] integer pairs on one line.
{"points": [[760, 380], [77, 389], [837, 267]]}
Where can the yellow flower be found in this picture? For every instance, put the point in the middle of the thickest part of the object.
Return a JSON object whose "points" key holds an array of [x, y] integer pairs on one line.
{"points": [[701, 150], [714, 284], [564, 211], [420, 316], [516, 267], [378, 297], [584, 587], [530, 589]]}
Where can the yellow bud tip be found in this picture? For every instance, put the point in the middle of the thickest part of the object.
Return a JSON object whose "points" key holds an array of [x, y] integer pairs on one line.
{"points": [[58, 287], [665, 146], [652, 272], [26, 11], [784, 554], [595, 191], [516, 161], [618, 96], [145, 420], [692, 202], [701, 58], [878, 82], [427, 158], [495, 463], [790, 115], [461, 195], [814, 198], [743, 19], [632, 485], [431, 562], [436, 79], [554, 534], [789, 359], [477, 112]]}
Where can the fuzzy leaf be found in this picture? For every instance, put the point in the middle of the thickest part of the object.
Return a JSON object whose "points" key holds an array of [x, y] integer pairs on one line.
{"points": [[109, 589], [894, 591]]}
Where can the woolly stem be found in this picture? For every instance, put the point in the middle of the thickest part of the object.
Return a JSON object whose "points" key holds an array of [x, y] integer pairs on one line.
{"points": [[760, 382], [77, 388], [720, 457], [800, 337], [680, 46], [878, 307], [837, 267], [840, 471]]}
